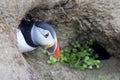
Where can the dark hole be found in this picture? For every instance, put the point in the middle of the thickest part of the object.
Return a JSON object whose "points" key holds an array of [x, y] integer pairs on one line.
{"points": [[101, 51]]}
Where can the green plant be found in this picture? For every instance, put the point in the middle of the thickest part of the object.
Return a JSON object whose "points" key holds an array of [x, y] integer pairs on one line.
{"points": [[52, 60], [80, 56]]}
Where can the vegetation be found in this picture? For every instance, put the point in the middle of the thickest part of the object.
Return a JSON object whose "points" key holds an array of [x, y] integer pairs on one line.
{"points": [[80, 56]]}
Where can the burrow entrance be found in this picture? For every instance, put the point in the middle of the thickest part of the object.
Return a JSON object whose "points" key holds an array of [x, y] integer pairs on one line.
{"points": [[33, 16], [101, 51], [65, 34]]}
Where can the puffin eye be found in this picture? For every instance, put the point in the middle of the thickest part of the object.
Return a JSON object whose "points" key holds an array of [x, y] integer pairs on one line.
{"points": [[46, 35]]}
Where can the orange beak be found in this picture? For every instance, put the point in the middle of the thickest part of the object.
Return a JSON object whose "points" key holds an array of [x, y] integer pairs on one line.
{"points": [[56, 53]]}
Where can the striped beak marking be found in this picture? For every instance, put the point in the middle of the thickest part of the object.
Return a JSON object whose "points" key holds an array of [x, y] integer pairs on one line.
{"points": [[56, 53]]}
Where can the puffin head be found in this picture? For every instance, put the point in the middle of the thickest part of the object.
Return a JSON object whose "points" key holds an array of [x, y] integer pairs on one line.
{"points": [[45, 36]]}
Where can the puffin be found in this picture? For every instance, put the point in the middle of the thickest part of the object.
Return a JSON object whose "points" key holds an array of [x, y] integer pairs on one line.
{"points": [[31, 34]]}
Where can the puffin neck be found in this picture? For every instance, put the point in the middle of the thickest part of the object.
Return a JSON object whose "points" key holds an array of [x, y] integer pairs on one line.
{"points": [[26, 28]]}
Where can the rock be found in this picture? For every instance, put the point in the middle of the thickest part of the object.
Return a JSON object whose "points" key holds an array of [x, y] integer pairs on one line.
{"points": [[13, 66], [101, 22], [109, 69], [84, 20]]}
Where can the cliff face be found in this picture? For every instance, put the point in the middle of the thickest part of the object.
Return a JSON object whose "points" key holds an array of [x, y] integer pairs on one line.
{"points": [[100, 20], [84, 20], [12, 64], [75, 19]]}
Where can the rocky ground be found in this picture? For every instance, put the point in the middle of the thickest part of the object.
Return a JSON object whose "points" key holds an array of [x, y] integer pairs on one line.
{"points": [[109, 69]]}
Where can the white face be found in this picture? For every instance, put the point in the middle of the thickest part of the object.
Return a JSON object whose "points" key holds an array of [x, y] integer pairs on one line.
{"points": [[42, 37]]}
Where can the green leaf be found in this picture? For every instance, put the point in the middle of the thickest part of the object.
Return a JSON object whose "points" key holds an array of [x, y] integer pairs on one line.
{"points": [[74, 50], [49, 62], [90, 67], [87, 58], [97, 66], [52, 60], [61, 51], [85, 66]]}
